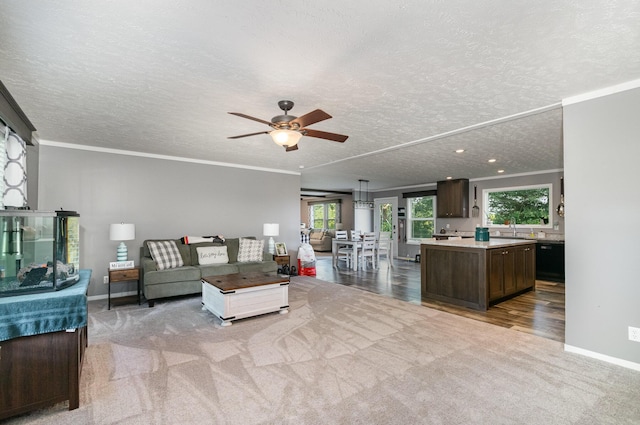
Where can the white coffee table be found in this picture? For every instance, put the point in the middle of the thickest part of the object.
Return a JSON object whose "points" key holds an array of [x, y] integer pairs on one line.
{"points": [[240, 295]]}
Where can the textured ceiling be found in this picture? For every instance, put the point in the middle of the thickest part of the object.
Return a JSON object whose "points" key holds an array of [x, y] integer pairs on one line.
{"points": [[408, 81]]}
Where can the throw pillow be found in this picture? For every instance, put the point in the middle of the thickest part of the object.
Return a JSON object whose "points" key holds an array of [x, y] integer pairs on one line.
{"points": [[212, 255], [250, 250], [165, 254]]}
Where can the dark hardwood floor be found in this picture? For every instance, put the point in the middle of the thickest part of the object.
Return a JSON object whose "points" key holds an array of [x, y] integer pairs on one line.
{"points": [[540, 312]]}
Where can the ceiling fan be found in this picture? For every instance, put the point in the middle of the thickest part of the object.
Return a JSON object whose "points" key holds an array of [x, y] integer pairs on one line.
{"points": [[288, 129]]}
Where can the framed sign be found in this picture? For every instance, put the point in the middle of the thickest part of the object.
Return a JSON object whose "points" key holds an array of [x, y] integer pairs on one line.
{"points": [[117, 265], [281, 248]]}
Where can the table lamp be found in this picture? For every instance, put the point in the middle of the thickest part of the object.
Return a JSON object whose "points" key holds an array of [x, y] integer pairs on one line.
{"points": [[122, 232], [271, 230]]}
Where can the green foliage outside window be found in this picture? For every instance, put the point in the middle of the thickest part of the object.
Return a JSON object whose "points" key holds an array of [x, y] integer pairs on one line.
{"points": [[386, 217], [421, 229], [421, 217], [527, 206], [323, 216], [317, 216], [331, 216]]}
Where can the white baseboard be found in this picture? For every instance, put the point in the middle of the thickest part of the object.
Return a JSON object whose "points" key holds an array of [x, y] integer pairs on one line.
{"points": [[602, 357], [113, 296]]}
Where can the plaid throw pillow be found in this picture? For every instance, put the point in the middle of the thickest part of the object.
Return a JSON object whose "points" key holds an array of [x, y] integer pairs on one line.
{"points": [[250, 250], [165, 254]]}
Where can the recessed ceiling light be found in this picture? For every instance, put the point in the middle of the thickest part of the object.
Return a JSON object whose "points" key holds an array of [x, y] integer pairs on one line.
{"points": [[459, 150], [449, 177], [302, 166], [492, 160], [500, 171]]}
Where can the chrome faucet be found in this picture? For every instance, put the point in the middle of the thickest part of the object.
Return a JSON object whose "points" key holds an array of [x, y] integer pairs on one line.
{"points": [[513, 220]]}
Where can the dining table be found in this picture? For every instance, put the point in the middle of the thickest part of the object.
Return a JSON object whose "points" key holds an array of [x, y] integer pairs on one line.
{"points": [[355, 245]]}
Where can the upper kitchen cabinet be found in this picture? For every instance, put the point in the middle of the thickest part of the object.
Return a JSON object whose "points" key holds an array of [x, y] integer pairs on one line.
{"points": [[453, 198]]}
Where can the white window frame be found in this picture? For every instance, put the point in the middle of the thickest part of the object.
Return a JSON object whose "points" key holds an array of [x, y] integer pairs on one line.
{"points": [[485, 201], [325, 217], [410, 239]]}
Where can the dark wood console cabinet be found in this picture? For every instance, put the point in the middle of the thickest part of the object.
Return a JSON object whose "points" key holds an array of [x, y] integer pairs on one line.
{"points": [[41, 370], [41, 354]]}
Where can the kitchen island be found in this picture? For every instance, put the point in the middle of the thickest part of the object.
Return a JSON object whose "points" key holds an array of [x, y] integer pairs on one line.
{"points": [[476, 274]]}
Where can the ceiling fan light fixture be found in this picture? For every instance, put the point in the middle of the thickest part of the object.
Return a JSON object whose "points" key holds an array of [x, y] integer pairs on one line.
{"points": [[286, 138]]}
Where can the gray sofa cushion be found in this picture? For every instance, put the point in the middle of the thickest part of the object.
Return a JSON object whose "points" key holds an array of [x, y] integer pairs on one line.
{"points": [[164, 290], [178, 274]]}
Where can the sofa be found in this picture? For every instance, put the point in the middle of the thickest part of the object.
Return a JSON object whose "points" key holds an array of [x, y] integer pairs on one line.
{"points": [[320, 239], [159, 281]]}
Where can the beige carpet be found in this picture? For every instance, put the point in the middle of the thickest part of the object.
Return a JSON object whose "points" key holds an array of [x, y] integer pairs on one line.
{"points": [[341, 356]]}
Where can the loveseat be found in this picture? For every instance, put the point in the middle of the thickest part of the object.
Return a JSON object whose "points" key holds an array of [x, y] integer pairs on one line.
{"points": [[159, 281], [320, 239]]}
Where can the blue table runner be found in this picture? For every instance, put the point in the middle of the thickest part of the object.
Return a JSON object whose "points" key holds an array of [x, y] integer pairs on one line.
{"points": [[26, 315]]}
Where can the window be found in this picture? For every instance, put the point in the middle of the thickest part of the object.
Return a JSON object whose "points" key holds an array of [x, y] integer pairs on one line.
{"points": [[386, 217], [420, 217], [324, 215], [526, 205]]}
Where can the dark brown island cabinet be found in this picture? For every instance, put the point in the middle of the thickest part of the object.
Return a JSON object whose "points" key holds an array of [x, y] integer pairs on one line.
{"points": [[453, 198], [476, 274]]}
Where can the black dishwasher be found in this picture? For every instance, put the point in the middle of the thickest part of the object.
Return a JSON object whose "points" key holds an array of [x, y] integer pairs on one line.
{"points": [[550, 261]]}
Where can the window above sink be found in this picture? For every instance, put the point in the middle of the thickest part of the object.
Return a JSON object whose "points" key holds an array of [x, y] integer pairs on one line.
{"points": [[522, 206]]}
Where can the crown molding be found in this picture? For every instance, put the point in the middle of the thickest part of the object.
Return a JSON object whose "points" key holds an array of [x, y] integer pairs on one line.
{"points": [[163, 157]]}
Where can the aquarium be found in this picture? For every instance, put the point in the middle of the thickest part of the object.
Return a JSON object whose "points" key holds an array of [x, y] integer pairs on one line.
{"points": [[39, 251]]}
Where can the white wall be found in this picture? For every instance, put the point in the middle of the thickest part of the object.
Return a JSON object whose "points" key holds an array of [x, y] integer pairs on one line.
{"points": [[602, 152], [164, 199]]}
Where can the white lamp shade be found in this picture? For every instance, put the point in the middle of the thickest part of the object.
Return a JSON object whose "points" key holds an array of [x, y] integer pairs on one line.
{"points": [[271, 229], [286, 137], [122, 232]]}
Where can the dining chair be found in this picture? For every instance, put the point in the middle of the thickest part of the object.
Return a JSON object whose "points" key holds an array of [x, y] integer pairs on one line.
{"points": [[384, 247], [368, 249], [344, 251]]}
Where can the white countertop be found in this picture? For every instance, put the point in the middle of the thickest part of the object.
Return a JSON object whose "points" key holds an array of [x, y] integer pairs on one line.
{"points": [[559, 237], [472, 243]]}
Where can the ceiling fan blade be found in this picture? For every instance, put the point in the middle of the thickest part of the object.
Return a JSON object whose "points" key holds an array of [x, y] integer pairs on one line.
{"points": [[250, 118], [247, 135], [324, 135], [291, 148], [312, 118]]}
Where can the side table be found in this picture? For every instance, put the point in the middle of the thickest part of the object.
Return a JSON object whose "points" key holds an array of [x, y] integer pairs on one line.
{"points": [[282, 260], [124, 275]]}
